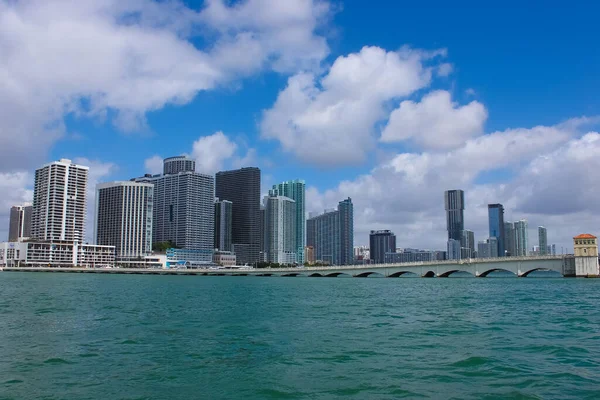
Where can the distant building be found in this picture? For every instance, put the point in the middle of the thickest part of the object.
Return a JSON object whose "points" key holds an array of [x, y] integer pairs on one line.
{"points": [[521, 238], [467, 244], [183, 210], [453, 249], [242, 188], [56, 253], [586, 255], [59, 202], [543, 240], [496, 225], [20, 222], [331, 234], [281, 230], [124, 219], [487, 248], [381, 243], [454, 201], [413, 255], [224, 258], [223, 223], [295, 190], [509, 239], [309, 255]]}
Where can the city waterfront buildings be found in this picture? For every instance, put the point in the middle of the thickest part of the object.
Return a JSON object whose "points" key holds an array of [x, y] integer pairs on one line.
{"points": [[453, 249], [454, 201], [467, 244], [20, 222], [59, 201], [295, 190], [346, 217], [543, 240], [242, 188], [281, 230], [487, 248], [331, 234], [509, 239], [56, 253], [124, 214], [309, 255], [496, 226], [183, 212], [381, 243], [521, 238], [223, 224]]}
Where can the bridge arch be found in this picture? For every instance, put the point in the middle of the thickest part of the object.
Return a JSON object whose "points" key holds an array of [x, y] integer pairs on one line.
{"points": [[368, 274], [429, 274], [489, 271], [526, 274], [315, 275], [401, 273], [336, 274], [447, 274], [291, 274]]}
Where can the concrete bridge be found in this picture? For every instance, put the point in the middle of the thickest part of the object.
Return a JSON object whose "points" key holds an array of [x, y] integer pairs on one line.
{"points": [[520, 266]]}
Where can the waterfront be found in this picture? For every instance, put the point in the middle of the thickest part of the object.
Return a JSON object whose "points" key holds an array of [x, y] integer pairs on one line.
{"points": [[88, 336]]}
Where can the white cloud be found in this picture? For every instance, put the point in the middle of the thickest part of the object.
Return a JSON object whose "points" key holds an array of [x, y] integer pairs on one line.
{"points": [[436, 122], [126, 58], [15, 189], [543, 174], [329, 120], [154, 165], [210, 152]]}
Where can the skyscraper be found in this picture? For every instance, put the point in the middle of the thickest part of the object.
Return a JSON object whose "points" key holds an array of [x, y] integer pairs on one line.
{"points": [[184, 209], [454, 201], [543, 240], [509, 239], [521, 238], [496, 225], [380, 243], [346, 216], [59, 201], [323, 234], [281, 229], [223, 218], [124, 213], [242, 188], [467, 244], [453, 249], [20, 222], [295, 190]]}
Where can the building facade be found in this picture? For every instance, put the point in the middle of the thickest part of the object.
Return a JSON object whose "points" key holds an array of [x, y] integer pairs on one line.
{"points": [[59, 202], [346, 216], [124, 214], [381, 243], [453, 249], [57, 253], [20, 222], [323, 234], [223, 221], [586, 255], [242, 188], [454, 201], [543, 240], [509, 239], [467, 244], [521, 238], [295, 190], [183, 212], [281, 230], [496, 226]]}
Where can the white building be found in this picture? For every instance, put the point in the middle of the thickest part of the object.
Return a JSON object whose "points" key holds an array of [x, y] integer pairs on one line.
{"points": [[59, 201], [542, 240], [521, 238], [20, 222], [55, 254], [124, 220], [280, 226]]}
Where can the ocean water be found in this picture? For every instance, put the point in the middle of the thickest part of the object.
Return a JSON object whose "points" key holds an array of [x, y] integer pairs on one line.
{"points": [[83, 336]]}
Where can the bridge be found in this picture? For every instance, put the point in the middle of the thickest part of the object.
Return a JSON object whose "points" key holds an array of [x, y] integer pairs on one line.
{"points": [[519, 266]]}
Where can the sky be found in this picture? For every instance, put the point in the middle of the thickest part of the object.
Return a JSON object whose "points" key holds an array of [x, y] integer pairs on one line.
{"points": [[384, 102]]}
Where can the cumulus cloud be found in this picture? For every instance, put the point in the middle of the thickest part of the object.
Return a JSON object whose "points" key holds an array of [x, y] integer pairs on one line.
{"points": [[154, 165], [544, 174], [330, 119], [436, 122], [123, 59]]}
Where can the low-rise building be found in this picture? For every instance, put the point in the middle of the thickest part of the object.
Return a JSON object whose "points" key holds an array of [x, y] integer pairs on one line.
{"points": [[57, 253], [224, 258]]}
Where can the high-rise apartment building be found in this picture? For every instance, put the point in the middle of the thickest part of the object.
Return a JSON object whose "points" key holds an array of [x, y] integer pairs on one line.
{"points": [[59, 201], [223, 218], [521, 238], [124, 213], [380, 243], [543, 240], [454, 201], [242, 188], [467, 244], [496, 225], [509, 239], [20, 222], [331, 234], [453, 249], [184, 209], [281, 230], [295, 190]]}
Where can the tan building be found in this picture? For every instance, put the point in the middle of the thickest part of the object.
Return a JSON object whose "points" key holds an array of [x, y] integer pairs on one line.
{"points": [[586, 255], [309, 255], [224, 258]]}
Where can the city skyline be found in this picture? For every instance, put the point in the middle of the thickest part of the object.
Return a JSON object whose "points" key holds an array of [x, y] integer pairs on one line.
{"points": [[390, 117]]}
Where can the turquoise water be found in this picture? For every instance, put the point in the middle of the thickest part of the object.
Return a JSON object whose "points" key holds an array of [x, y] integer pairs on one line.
{"points": [[80, 336]]}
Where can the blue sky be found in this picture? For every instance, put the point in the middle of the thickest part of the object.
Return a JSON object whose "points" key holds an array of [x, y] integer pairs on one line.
{"points": [[506, 69]]}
